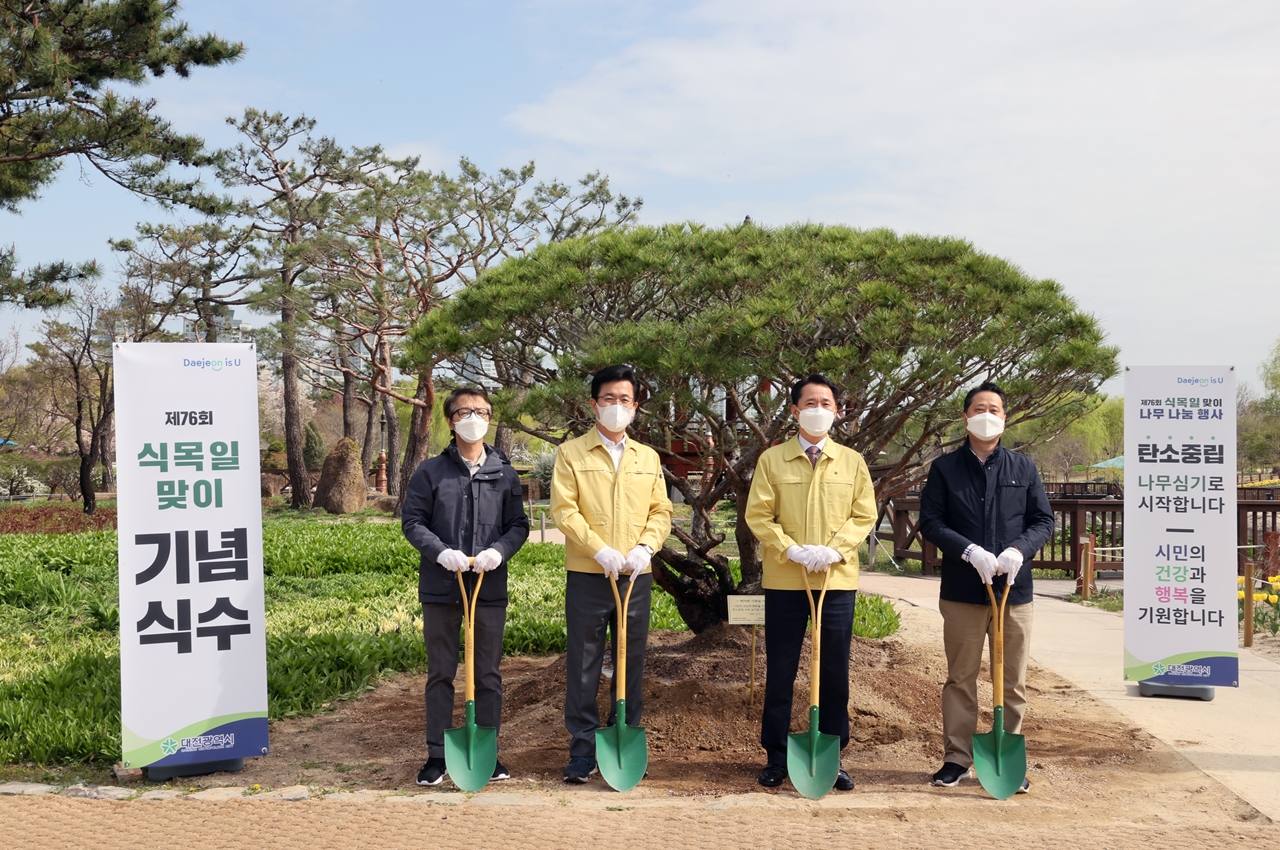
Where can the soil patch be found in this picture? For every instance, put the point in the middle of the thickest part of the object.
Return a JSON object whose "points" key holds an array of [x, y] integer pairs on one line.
{"points": [[704, 731]]}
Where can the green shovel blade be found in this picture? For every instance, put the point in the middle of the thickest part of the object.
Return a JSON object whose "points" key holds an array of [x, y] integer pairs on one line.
{"points": [[622, 752], [813, 759], [1000, 759], [471, 752]]}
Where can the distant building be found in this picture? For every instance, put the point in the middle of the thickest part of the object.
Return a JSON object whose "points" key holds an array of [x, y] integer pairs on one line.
{"points": [[230, 329]]}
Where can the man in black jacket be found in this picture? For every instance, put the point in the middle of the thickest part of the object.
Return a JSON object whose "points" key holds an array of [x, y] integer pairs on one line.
{"points": [[980, 500], [464, 503]]}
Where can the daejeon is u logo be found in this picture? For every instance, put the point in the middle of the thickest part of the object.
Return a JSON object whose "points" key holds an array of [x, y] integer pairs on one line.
{"points": [[168, 746]]}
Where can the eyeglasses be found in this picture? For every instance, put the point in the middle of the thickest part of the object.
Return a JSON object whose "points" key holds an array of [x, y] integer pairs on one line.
{"points": [[463, 412], [608, 400]]}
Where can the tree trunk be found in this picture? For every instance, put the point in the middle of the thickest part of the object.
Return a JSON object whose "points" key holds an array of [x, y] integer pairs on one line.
{"points": [[502, 440], [418, 440], [349, 405], [294, 438], [106, 455], [86, 484], [204, 315], [393, 446], [748, 546]]}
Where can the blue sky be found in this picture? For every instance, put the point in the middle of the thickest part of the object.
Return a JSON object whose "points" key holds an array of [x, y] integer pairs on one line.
{"points": [[1124, 149]]}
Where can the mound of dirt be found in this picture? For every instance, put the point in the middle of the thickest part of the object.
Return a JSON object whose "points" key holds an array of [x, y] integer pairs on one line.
{"points": [[703, 726]]}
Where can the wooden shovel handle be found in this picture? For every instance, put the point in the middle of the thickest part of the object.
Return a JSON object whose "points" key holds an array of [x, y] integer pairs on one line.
{"points": [[815, 640], [622, 603], [997, 643], [469, 628]]}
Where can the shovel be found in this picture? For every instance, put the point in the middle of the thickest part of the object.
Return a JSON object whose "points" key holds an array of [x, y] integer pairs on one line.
{"points": [[1000, 758], [470, 751], [813, 757], [622, 753]]}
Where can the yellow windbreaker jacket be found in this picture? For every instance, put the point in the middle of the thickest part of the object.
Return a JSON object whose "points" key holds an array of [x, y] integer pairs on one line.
{"points": [[793, 502], [597, 507]]}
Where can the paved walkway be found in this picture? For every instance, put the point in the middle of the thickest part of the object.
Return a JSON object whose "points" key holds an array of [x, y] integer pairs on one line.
{"points": [[1232, 738]]}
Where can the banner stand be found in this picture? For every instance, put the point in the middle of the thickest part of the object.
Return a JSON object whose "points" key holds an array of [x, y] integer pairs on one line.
{"points": [[1155, 689], [163, 773], [193, 672]]}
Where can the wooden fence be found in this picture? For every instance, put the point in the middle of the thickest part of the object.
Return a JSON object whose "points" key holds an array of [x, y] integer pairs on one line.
{"points": [[1257, 512]]}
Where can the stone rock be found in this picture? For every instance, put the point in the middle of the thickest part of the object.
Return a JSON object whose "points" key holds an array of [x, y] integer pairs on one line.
{"points": [[273, 483], [160, 794], [99, 792], [385, 504], [217, 795], [114, 792], [342, 489], [80, 791], [363, 795], [26, 789], [293, 793]]}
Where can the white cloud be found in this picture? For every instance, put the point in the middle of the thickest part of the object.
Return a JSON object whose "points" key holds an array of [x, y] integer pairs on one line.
{"points": [[431, 157], [1124, 148]]}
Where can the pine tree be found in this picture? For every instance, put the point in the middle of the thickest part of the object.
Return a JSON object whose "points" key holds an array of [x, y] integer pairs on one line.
{"points": [[57, 61]]}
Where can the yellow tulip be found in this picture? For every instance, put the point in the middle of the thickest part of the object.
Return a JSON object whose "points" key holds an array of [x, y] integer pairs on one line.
{"points": [[1273, 598], [1239, 579], [1239, 594]]}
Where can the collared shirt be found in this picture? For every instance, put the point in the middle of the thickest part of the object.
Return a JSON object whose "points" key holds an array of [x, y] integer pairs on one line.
{"points": [[473, 468], [805, 444], [615, 449]]}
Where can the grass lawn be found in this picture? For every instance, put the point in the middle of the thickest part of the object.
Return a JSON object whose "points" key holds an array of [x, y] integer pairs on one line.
{"points": [[341, 609]]}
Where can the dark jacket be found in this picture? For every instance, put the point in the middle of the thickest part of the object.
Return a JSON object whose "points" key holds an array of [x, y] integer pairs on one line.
{"points": [[448, 508], [996, 505]]}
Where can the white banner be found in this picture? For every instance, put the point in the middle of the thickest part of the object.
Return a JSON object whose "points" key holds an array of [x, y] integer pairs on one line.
{"points": [[1180, 525], [193, 672]]}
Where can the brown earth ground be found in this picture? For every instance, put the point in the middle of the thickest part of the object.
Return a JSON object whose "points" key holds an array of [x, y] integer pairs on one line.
{"points": [[1096, 781]]}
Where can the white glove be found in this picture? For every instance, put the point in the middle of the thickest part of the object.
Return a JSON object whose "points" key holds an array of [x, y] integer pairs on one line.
{"points": [[1009, 562], [489, 559], [453, 561], [637, 560], [612, 561], [820, 558], [984, 562], [798, 554]]}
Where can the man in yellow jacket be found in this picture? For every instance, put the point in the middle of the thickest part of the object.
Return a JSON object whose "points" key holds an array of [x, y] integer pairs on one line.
{"points": [[609, 497], [811, 504]]}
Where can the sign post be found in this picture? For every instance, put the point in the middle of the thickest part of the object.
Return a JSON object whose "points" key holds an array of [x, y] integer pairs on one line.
{"points": [[748, 611], [193, 677], [1180, 529]]}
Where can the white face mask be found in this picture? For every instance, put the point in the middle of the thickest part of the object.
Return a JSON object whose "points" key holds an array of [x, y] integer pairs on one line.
{"points": [[985, 426], [472, 429], [816, 420], [615, 417]]}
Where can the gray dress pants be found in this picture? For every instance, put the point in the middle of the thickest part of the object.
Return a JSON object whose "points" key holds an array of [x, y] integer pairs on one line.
{"points": [[589, 608], [441, 628]]}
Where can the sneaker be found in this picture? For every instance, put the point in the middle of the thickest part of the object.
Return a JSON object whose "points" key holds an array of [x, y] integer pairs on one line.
{"points": [[772, 775], [499, 773], [950, 775], [1025, 786], [844, 782], [433, 772], [579, 770]]}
